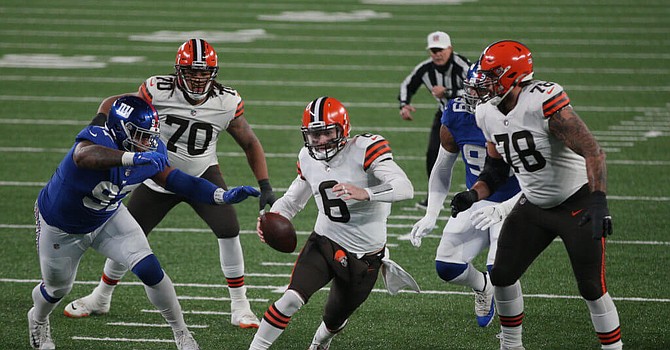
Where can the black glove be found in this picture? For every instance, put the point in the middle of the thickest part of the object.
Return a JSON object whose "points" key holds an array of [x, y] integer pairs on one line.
{"points": [[267, 195], [463, 201], [598, 215]]}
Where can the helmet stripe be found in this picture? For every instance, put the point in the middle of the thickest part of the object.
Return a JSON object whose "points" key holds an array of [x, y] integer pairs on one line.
{"points": [[316, 110]]}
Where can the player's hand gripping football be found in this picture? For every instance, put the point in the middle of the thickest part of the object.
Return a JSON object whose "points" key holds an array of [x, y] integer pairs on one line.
{"points": [[598, 215]]}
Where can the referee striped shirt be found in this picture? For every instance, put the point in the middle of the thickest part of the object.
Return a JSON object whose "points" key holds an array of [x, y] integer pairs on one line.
{"points": [[451, 76]]}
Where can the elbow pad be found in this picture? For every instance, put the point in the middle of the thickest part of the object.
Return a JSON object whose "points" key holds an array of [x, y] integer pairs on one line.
{"points": [[495, 173]]}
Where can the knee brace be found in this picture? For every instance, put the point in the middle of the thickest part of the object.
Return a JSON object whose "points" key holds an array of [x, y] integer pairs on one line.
{"points": [[149, 270], [449, 271]]}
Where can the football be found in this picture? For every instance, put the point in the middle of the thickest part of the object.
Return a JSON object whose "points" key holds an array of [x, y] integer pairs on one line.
{"points": [[278, 232]]}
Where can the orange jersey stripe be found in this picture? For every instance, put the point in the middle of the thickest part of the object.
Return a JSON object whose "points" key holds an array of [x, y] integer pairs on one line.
{"points": [[299, 170], [554, 104], [240, 109], [374, 151], [145, 94], [603, 284]]}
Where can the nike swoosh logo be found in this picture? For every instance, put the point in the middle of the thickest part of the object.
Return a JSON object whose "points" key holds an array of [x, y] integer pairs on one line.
{"points": [[551, 90], [74, 307], [92, 134], [575, 212]]}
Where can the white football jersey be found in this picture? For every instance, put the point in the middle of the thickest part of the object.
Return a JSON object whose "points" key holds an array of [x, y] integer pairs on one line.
{"points": [[190, 132], [358, 226], [548, 171]]}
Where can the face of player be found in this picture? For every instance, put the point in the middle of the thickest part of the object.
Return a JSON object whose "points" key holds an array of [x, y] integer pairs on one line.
{"points": [[321, 140], [197, 80]]}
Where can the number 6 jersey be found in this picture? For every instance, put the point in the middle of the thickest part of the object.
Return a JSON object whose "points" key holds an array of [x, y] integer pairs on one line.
{"points": [[366, 161], [548, 171], [190, 132]]}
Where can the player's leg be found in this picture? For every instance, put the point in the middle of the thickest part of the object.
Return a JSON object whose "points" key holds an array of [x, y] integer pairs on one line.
{"points": [[222, 219], [59, 255], [148, 208], [461, 242], [522, 238], [122, 239], [587, 257], [343, 299], [310, 273]]}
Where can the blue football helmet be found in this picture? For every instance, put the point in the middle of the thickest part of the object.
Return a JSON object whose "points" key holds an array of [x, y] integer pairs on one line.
{"points": [[134, 124], [474, 88]]}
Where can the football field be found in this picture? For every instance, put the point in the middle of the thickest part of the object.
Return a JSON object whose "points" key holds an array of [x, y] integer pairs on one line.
{"points": [[59, 59]]}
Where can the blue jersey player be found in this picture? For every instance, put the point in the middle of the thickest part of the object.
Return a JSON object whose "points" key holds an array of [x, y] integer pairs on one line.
{"points": [[80, 207], [463, 237]]}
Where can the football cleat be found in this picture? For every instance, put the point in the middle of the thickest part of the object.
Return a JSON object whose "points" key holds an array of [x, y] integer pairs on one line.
{"points": [[185, 341], [86, 306], [318, 347], [40, 333], [242, 316], [484, 303]]}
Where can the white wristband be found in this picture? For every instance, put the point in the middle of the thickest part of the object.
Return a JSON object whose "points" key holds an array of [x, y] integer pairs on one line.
{"points": [[127, 159]]}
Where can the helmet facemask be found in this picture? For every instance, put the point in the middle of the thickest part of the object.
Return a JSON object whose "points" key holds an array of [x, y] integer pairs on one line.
{"points": [[196, 80], [324, 141], [139, 139]]}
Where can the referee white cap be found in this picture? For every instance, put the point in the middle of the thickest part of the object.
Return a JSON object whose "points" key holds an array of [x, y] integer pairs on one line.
{"points": [[439, 40]]}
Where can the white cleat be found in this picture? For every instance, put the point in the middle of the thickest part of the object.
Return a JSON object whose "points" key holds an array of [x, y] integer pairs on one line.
{"points": [[242, 316], [86, 306], [319, 347], [40, 333], [484, 304], [185, 341]]}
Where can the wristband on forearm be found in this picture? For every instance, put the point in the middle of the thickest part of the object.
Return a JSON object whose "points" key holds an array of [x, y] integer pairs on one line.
{"points": [[127, 159]]}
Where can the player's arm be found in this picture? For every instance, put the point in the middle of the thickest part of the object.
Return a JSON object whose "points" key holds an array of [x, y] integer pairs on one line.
{"points": [[199, 189], [88, 155], [245, 137], [568, 127], [494, 175], [294, 199], [104, 107], [439, 183]]}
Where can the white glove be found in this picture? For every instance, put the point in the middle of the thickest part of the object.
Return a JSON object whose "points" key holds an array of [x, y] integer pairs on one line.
{"points": [[421, 229], [486, 217]]}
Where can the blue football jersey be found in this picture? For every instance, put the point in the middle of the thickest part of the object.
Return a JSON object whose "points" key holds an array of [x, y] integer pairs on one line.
{"points": [[472, 144], [80, 200]]}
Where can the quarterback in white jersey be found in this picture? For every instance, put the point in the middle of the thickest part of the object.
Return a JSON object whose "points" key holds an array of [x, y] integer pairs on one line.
{"points": [[531, 128], [353, 181], [194, 109]]}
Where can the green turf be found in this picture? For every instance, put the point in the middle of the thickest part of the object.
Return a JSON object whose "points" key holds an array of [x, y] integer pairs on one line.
{"points": [[610, 56]]}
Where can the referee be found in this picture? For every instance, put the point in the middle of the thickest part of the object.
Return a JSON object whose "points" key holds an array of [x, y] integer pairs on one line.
{"points": [[443, 74]]}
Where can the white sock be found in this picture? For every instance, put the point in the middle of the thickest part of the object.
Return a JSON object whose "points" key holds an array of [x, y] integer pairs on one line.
{"points": [[324, 336], [276, 319], [163, 296], [43, 308], [509, 301], [605, 319], [112, 274], [231, 257], [471, 277]]}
